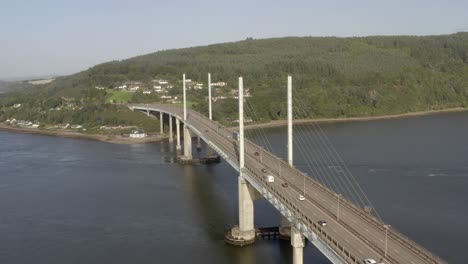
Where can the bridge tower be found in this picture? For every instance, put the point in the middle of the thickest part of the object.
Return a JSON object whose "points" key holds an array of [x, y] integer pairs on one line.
{"points": [[187, 134], [285, 225], [244, 234], [209, 151]]}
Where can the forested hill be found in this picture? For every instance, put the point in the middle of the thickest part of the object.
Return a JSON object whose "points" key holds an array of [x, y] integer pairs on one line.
{"points": [[333, 77]]}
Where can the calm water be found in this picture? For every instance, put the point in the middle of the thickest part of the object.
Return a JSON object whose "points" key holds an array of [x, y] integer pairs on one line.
{"points": [[77, 201]]}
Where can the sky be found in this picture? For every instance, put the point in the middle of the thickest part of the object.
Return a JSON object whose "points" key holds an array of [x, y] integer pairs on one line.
{"points": [[59, 37]]}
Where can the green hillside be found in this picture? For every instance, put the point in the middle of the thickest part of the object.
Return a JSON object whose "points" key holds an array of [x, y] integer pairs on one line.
{"points": [[332, 77]]}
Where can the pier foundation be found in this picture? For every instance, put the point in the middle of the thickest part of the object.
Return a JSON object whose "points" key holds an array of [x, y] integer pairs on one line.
{"points": [[297, 242]]}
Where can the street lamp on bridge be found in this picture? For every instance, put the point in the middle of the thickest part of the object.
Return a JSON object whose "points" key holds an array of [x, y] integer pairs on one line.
{"points": [[338, 196], [386, 235]]}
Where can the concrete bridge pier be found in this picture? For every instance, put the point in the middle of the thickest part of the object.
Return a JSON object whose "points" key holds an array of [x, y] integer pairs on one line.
{"points": [[297, 242], [171, 134], [244, 234], [187, 144], [178, 147], [284, 228], [161, 125], [198, 143]]}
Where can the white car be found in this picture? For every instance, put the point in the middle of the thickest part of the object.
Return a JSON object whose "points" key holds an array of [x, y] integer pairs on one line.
{"points": [[370, 261], [301, 197], [269, 178], [322, 223]]}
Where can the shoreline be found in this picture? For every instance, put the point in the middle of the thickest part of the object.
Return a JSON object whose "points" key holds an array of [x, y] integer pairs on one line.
{"points": [[77, 135], [278, 123]]}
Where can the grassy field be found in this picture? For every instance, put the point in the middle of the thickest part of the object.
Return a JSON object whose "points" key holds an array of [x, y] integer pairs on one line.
{"points": [[119, 96]]}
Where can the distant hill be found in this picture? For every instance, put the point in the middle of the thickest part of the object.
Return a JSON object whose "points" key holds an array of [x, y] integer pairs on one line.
{"points": [[332, 77]]}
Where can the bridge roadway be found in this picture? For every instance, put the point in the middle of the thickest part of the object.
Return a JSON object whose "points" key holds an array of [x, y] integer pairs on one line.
{"points": [[355, 236]]}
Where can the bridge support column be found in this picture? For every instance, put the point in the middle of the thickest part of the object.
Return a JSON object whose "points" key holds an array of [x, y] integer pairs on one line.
{"points": [[161, 122], [297, 242], [198, 143], [171, 134], [244, 234], [187, 144], [284, 228], [178, 147]]}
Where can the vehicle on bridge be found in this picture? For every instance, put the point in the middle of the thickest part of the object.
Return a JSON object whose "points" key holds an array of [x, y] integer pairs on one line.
{"points": [[269, 178], [285, 184], [322, 223], [371, 261], [301, 197]]}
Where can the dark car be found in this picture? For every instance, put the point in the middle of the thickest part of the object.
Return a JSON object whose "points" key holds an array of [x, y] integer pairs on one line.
{"points": [[322, 223], [285, 184], [256, 154]]}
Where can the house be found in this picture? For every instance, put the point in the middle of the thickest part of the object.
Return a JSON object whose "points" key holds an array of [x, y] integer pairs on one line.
{"points": [[123, 87], [146, 92], [16, 105], [219, 84], [157, 88], [99, 87], [198, 86], [137, 134], [166, 97], [134, 88], [188, 80]]}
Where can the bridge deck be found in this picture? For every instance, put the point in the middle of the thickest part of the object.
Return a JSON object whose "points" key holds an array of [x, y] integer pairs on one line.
{"points": [[357, 235]]}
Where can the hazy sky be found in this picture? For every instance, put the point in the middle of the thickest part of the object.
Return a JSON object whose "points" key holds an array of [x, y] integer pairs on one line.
{"points": [[46, 37]]}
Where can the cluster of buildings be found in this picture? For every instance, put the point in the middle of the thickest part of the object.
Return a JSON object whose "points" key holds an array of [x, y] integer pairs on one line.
{"points": [[162, 88], [68, 126], [129, 86], [116, 127], [22, 123]]}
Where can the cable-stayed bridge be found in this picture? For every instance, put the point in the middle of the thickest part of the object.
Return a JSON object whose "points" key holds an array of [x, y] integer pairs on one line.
{"points": [[351, 235]]}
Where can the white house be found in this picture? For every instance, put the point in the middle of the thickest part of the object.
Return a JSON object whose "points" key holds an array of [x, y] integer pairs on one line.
{"points": [[134, 88], [219, 84], [157, 88], [137, 134], [147, 92]]}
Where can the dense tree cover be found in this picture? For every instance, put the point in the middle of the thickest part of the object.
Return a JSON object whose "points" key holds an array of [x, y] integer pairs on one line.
{"points": [[332, 77]]}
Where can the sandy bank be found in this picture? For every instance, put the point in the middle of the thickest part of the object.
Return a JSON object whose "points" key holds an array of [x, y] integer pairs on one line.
{"points": [[70, 134]]}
